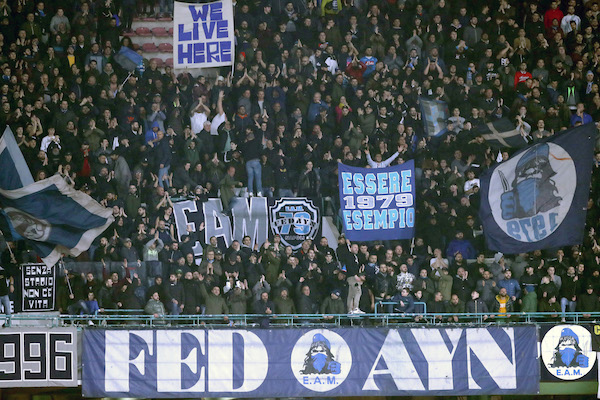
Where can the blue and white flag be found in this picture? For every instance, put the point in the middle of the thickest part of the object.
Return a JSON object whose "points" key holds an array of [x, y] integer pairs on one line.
{"points": [[378, 203], [538, 198], [434, 114], [14, 172], [203, 34], [52, 216]]}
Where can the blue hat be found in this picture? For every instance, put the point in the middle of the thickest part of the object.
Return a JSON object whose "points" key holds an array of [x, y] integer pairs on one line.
{"points": [[320, 339], [566, 332], [541, 150]]}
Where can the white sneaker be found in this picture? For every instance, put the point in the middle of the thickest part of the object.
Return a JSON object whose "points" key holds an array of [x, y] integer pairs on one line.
{"points": [[250, 194], [358, 311], [259, 194], [350, 312], [91, 323]]}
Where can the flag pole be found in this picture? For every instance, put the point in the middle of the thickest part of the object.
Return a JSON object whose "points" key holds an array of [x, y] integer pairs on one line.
{"points": [[12, 255]]}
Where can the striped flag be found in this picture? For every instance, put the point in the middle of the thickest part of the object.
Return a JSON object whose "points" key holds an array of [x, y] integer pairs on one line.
{"points": [[14, 172], [434, 114], [53, 217], [503, 133]]}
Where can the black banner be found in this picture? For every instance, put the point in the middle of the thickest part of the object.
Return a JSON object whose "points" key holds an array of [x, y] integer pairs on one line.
{"points": [[38, 286]]}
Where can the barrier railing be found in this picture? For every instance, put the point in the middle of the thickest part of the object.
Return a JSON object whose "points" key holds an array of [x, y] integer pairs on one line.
{"points": [[137, 318]]}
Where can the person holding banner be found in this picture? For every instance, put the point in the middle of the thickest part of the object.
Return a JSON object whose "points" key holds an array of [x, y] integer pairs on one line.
{"points": [[378, 163]]}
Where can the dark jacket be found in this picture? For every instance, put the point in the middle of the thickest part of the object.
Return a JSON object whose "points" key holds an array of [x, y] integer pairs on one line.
{"points": [[476, 307]]}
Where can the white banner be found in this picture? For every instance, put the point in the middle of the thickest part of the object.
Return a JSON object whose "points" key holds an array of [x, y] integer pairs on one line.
{"points": [[38, 357], [203, 35]]}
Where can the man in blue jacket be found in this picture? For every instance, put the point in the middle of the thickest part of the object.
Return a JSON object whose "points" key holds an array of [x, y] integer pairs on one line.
{"points": [[513, 289]]}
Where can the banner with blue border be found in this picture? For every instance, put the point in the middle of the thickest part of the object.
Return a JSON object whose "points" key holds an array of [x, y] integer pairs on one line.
{"points": [[164, 363]]}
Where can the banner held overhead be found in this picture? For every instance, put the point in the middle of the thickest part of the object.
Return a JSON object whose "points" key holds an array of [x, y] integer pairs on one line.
{"points": [[203, 35]]}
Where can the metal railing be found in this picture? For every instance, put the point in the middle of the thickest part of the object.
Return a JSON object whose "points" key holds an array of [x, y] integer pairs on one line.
{"points": [[136, 318]]}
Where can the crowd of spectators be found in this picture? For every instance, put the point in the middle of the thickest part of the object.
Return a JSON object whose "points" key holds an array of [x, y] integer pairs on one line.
{"points": [[313, 83]]}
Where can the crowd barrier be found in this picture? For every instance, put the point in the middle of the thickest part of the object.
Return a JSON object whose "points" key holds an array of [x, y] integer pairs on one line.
{"points": [[120, 318]]}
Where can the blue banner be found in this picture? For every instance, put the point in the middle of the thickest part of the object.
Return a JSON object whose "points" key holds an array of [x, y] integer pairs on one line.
{"points": [[538, 198], [303, 362], [378, 204]]}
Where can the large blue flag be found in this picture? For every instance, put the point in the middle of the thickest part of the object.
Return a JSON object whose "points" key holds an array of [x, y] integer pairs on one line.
{"points": [[378, 203], [14, 172], [538, 198], [52, 216]]}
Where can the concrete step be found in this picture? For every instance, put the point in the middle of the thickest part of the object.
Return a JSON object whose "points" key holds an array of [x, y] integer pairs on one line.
{"points": [[140, 40], [151, 24]]}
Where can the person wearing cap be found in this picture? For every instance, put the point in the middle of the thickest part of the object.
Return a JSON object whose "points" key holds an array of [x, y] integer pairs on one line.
{"points": [[333, 304], [498, 267], [128, 252], [550, 305], [530, 279], [529, 300], [588, 302]]}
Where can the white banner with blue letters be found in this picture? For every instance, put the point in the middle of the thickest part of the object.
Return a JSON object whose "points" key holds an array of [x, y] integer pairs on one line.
{"points": [[166, 363], [203, 34]]}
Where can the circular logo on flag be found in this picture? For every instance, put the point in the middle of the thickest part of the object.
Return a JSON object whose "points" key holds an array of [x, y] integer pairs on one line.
{"points": [[27, 225], [321, 360], [531, 194], [567, 352]]}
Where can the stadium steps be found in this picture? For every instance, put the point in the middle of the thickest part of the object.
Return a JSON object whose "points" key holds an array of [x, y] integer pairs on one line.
{"points": [[157, 32]]}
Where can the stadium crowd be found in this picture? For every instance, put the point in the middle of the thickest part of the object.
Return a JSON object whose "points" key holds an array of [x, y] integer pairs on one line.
{"points": [[314, 83]]}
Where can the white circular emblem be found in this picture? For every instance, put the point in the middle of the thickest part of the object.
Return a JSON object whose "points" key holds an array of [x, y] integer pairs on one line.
{"points": [[567, 352], [531, 194], [321, 360]]}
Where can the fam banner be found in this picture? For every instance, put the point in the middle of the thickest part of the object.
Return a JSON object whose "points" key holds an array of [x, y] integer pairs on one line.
{"points": [[38, 284], [538, 198], [568, 352], [203, 34], [295, 219], [378, 203], [38, 357], [308, 363]]}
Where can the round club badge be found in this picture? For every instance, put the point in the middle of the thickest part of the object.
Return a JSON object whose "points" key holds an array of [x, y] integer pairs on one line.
{"points": [[567, 352], [321, 360]]}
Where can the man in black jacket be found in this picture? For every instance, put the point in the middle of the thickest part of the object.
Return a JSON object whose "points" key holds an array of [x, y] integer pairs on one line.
{"points": [[175, 296], [265, 307]]}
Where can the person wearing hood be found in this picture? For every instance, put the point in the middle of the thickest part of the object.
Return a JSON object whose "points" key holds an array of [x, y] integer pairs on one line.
{"points": [[152, 133]]}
